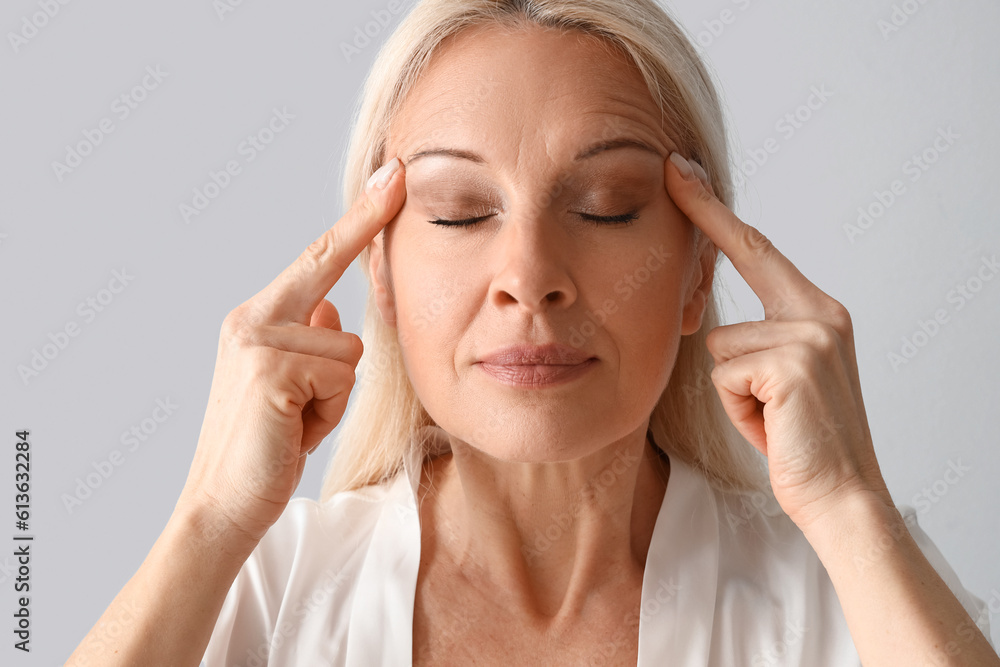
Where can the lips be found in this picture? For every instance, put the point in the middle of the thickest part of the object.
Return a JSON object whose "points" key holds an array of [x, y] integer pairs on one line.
{"points": [[536, 366], [536, 355]]}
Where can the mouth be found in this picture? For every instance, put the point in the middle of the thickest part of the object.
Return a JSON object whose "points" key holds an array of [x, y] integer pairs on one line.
{"points": [[536, 366], [536, 375]]}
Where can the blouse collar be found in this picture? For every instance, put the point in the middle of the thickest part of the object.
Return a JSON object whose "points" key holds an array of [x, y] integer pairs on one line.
{"points": [[676, 610]]}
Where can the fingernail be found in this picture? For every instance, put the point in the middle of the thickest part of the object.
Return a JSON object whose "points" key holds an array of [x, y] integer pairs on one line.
{"points": [[382, 176], [698, 169], [683, 166]]}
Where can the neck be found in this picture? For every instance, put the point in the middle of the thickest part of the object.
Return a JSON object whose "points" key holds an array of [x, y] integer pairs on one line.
{"points": [[548, 536]]}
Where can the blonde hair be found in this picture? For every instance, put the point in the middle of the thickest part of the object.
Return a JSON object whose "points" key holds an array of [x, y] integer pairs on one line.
{"points": [[688, 422]]}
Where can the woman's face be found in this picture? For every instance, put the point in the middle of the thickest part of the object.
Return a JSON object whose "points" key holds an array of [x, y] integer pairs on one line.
{"points": [[519, 111]]}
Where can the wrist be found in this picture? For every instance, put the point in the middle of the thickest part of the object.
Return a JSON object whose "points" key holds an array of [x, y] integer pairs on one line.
{"points": [[206, 527], [847, 500], [863, 526]]}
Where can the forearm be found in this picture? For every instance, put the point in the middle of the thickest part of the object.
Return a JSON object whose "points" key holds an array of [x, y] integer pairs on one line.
{"points": [[166, 612], [898, 609]]}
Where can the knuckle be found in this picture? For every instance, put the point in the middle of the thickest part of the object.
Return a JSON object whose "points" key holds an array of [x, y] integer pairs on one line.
{"points": [[704, 196], [248, 313], [803, 357], [755, 241], [718, 371], [229, 325], [234, 319], [323, 252], [247, 334], [318, 252], [823, 336], [840, 318], [370, 208]]}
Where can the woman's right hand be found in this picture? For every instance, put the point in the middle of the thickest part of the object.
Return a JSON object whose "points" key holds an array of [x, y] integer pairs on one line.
{"points": [[283, 375]]}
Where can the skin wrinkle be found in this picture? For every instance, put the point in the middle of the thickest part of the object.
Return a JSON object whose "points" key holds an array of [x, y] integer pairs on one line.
{"points": [[447, 183], [536, 272], [590, 176]]}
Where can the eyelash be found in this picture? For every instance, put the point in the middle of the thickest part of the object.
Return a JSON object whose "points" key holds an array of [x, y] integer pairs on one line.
{"points": [[623, 219]]}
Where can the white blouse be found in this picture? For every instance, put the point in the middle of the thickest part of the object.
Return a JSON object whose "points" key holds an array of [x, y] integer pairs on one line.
{"points": [[728, 581]]}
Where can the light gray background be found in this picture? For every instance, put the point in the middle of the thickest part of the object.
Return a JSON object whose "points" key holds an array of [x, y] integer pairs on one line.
{"points": [[61, 241]]}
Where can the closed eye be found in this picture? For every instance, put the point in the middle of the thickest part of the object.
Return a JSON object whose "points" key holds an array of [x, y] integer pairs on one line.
{"points": [[468, 222], [623, 219]]}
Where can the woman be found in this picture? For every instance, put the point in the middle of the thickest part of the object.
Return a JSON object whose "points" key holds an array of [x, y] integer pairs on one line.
{"points": [[538, 468]]}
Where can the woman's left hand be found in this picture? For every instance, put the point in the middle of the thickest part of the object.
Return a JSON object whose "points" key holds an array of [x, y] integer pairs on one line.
{"points": [[789, 383]]}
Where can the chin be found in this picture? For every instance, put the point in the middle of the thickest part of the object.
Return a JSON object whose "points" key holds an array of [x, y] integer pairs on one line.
{"points": [[541, 444], [518, 453]]}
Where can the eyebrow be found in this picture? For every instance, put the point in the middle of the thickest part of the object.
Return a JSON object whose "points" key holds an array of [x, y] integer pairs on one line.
{"points": [[595, 149]]}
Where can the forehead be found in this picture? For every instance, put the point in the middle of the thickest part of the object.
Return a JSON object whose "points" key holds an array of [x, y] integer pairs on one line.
{"points": [[513, 93]]}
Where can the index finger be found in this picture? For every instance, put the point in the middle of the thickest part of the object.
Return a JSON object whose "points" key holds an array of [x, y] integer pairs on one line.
{"points": [[295, 293], [772, 277]]}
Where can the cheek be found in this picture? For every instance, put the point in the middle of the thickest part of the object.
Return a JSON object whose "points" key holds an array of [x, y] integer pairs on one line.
{"points": [[429, 315], [424, 285], [641, 302], [642, 295], [425, 305], [433, 313], [643, 275]]}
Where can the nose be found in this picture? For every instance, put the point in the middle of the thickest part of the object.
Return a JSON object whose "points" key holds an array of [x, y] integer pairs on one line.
{"points": [[533, 265]]}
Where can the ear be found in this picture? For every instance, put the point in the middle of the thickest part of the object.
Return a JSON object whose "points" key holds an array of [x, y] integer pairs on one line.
{"points": [[700, 286], [385, 299]]}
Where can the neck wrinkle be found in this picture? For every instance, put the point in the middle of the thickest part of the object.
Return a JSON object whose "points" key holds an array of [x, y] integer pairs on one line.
{"points": [[550, 563]]}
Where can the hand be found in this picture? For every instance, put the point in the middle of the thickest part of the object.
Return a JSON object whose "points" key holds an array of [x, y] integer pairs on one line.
{"points": [[283, 375], [789, 383]]}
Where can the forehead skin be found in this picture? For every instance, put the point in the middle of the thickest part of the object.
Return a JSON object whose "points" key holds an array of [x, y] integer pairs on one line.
{"points": [[528, 100]]}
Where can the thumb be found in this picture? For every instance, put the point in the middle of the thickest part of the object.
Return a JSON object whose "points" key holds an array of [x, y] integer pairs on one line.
{"points": [[325, 315]]}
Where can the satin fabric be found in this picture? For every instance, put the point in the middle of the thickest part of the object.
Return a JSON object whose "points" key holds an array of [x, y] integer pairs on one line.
{"points": [[729, 581]]}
